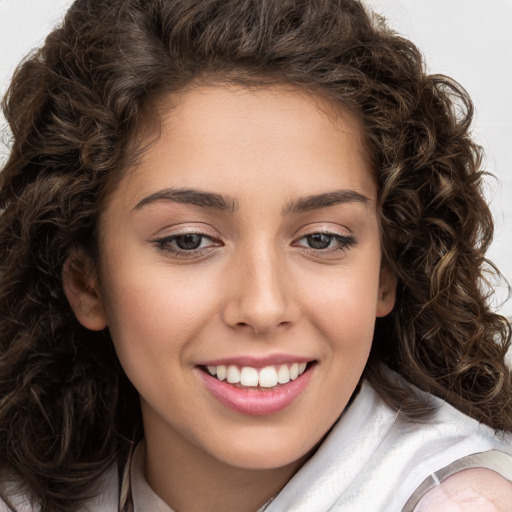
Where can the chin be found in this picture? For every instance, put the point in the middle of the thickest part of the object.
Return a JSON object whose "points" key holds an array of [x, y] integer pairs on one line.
{"points": [[267, 454]]}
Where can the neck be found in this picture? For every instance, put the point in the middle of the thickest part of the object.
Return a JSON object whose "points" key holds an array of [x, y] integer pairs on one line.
{"points": [[189, 480]]}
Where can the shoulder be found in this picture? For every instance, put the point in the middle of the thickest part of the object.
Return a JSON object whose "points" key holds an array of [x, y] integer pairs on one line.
{"points": [[471, 490]]}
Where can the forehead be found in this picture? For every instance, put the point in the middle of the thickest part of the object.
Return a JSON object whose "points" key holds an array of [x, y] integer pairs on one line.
{"points": [[263, 113], [222, 136]]}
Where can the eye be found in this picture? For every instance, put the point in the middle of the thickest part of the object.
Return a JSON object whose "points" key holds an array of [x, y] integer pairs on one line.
{"points": [[189, 242], [186, 244], [325, 241], [319, 240]]}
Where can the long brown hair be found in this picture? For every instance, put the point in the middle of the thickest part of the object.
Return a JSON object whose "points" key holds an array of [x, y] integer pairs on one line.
{"points": [[67, 411]]}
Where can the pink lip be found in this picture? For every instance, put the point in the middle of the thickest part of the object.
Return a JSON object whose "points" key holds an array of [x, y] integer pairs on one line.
{"points": [[255, 402], [257, 362]]}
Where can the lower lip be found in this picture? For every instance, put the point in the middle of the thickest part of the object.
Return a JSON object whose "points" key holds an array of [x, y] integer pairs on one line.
{"points": [[252, 401]]}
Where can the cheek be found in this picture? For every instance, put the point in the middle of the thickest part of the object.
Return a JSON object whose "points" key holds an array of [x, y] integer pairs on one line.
{"points": [[342, 318], [343, 305], [152, 311], [153, 319]]}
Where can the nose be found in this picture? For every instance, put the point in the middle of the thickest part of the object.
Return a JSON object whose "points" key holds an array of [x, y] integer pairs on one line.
{"points": [[260, 297]]}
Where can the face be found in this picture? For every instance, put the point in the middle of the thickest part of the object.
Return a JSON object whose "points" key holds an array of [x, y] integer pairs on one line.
{"points": [[244, 246]]}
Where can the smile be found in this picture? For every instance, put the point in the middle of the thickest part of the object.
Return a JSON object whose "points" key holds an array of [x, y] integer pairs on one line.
{"points": [[266, 377], [257, 390]]}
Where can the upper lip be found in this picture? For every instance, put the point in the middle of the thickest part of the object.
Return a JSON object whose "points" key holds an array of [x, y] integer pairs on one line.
{"points": [[257, 361]]}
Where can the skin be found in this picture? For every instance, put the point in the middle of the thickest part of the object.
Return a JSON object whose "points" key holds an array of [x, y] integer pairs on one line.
{"points": [[255, 287], [480, 490]]}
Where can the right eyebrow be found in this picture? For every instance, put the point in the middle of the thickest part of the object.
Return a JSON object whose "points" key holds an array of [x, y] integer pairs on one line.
{"points": [[318, 201], [190, 196]]}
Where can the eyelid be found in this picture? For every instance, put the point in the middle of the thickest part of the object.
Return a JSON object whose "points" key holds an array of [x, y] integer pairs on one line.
{"points": [[325, 228], [184, 228], [345, 241], [164, 241]]}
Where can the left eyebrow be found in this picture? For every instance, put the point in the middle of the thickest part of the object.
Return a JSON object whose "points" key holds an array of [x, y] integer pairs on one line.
{"points": [[315, 202], [191, 197]]}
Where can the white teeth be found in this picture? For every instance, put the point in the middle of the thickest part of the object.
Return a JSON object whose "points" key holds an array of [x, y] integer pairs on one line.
{"points": [[233, 374], [221, 372], [283, 375], [249, 376], [266, 377]]}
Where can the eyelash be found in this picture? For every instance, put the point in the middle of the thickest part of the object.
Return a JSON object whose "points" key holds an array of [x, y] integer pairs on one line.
{"points": [[168, 244], [344, 242]]}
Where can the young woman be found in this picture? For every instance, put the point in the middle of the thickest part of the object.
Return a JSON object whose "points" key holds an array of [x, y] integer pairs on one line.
{"points": [[242, 255]]}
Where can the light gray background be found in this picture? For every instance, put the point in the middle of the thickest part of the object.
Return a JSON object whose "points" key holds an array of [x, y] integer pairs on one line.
{"points": [[470, 40]]}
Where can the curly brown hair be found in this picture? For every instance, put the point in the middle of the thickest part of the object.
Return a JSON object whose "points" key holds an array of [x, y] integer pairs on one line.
{"points": [[67, 411]]}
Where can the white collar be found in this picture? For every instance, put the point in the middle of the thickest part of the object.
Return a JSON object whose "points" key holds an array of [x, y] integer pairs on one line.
{"points": [[308, 483]]}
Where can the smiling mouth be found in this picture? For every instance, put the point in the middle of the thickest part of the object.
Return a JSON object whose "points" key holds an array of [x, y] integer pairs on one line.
{"points": [[257, 378]]}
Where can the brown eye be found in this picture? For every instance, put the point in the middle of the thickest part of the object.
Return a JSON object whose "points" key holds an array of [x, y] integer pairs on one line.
{"points": [[319, 240], [189, 241], [325, 243], [187, 244]]}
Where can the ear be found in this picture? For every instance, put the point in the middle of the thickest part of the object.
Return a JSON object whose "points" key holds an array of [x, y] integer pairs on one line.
{"points": [[387, 291], [80, 282]]}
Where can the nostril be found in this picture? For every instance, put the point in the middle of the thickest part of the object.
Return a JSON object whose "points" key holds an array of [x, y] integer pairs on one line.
{"points": [[259, 329]]}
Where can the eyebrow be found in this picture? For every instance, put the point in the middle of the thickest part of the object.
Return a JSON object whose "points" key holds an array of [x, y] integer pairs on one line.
{"points": [[192, 197], [222, 203], [318, 201]]}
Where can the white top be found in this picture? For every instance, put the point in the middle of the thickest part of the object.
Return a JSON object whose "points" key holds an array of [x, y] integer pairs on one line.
{"points": [[373, 460]]}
